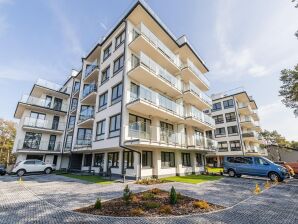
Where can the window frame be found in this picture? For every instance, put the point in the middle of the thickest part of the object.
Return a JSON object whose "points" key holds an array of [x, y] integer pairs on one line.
{"points": [[233, 128], [105, 96], [115, 128], [220, 134], [115, 155], [223, 149], [164, 157], [118, 97], [230, 117], [85, 160], [106, 56], [106, 72], [186, 160], [147, 165], [117, 62], [216, 108], [234, 147], [128, 156], [227, 103], [122, 37], [221, 121], [102, 130], [95, 162]]}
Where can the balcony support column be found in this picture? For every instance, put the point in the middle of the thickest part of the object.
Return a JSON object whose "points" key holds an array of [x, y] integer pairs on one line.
{"points": [[178, 162], [156, 162]]}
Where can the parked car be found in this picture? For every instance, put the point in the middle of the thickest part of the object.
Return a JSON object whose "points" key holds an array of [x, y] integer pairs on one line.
{"points": [[253, 166], [2, 170], [294, 166], [32, 166], [287, 166]]}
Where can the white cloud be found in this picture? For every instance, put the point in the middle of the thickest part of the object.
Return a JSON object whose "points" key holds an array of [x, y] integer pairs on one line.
{"points": [[103, 25]]}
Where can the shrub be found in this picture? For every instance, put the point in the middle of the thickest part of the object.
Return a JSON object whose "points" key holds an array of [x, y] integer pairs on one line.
{"points": [[97, 204], [155, 191], [165, 209], [134, 198], [127, 194], [150, 181], [152, 204], [148, 196], [173, 196], [201, 204], [137, 212]]}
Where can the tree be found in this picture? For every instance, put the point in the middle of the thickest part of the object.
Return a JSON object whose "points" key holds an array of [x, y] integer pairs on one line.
{"points": [[274, 138], [289, 88], [296, 6], [7, 136]]}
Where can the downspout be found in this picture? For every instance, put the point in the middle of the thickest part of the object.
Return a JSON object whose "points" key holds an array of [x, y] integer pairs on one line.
{"points": [[122, 105]]}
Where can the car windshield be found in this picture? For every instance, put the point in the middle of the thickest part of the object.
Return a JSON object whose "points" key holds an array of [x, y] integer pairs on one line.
{"points": [[267, 160]]}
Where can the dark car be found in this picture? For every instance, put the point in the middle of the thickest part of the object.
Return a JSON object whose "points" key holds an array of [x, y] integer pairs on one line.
{"points": [[2, 170]]}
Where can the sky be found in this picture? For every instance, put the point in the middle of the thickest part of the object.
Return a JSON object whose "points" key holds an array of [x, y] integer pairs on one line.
{"points": [[243, 43]]}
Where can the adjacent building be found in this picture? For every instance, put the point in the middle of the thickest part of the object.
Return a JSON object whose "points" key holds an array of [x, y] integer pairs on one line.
{"points": [[237, 126], [135, 108]]}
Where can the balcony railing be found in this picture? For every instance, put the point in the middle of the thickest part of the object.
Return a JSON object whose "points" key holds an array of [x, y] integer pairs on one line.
{"points": [[44, 124], [49, 85], [83, 142], [89, 89], [39, 146], [90, 68], [43, 103], [143, 30], [197, 72], [244, 105], [199, 115], [205, 142], [86, 114], [158, 100], [204, 97], [155, 68], [250, 134]]}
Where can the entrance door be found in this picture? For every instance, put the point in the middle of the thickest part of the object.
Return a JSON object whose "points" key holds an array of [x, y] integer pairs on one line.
{"points": [[76, 161]]}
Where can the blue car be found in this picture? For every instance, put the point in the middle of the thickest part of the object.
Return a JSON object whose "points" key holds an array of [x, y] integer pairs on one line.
{"points": [[253, 166]]}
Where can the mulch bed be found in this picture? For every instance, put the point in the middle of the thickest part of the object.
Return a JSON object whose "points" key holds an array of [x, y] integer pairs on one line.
{"points": [[152, 203]]}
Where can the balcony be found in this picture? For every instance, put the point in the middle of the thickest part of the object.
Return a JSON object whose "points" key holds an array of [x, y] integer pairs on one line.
{"points": [[255, 115], [152, 103], [197, 118], [202, 143], [244, 109], [91, 72], [247, 122], [146, 71], [89, 94], [46, 126], [142, 39], [83, 145], [193, 95], [86, 118], [36, 146], [250, 136], [76, 90], [191, 73]]}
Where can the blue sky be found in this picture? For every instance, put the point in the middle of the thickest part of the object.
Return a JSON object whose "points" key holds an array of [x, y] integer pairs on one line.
{"points": [[244, 44]]}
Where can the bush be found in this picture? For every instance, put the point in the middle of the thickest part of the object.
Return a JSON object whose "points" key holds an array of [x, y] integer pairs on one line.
{"points": [[127, 194], [179, 196], [152, 204], [201, 204], [148, 196], [155, 191], [134, 198], [97, 204], [173, 196], [137, 212], [165, 209], [150, 181]]}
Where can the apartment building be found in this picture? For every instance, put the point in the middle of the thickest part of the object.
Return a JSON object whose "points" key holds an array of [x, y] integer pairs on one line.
{"points": [[237, 126], [135, 108]]}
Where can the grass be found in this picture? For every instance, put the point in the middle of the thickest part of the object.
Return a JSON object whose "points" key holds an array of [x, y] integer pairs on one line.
{"points": [[192, 179], [214, 170], [92, 179]]}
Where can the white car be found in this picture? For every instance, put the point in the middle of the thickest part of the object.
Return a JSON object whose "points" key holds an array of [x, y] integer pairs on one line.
{"points": [[31, 166]]}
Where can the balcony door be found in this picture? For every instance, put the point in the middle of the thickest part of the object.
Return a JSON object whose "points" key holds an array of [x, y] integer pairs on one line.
{"points": [[134, 91], [57, 104], [32, 140], [55, 123], [52, 143], [167, 132], [199, 138], [139, 127], [48, 101], [37, 120]]}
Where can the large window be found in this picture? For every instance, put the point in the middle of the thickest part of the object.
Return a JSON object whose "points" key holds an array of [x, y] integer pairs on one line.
{"points": [[216, 106], [113, 159], [88, 160], [166, 131], [37, 116], [222, 146], [220, 132], [167, 159], [86, 112], [107, 52], [74, 104], [146, 159], [228, 103], [128, 160], [105, 75], [186, 159], [32, 140], [199, 161], [235, 145], [139, 126], [76, 86], [71, 121], [120, 39], [68, 141], [116, 93], [230, 117], [98, 160], [36, 120], [103, 101], [52, 142], [218, 119], [233, 130], [84, 136], [115, 125], [100, 130], [118, 64]]}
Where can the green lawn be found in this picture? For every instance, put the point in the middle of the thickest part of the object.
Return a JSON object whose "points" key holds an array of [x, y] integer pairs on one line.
{"points": [[92, 179], [192, 179], [214, 170]]}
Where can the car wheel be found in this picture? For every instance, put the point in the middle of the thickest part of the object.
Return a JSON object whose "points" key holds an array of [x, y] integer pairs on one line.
{"points": [[273, 176], [231, 173], [48, 170], [21, 172], [238, 175]]}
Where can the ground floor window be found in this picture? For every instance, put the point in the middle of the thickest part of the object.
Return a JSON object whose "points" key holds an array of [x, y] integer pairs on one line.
{"points": [[32, 140], [147, 159], [87, 159], [167, 159], [199, 161], [98, 160], [38, 157], [113, 159], [128, 160], [235, 146], [186, 159]]}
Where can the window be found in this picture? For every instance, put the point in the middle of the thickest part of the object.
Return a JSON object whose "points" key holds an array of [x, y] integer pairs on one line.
{"points": [[115, 125], [128, 160], [32, 140], [55, 123], [107, 52], [220, 131], [260, 161], [36, 120], [103, 101], [71, 121], [76, 86], [52, 142], [134, 91], [100, 130], [230, 117], [118, 64], [235, 146], [146, 159], [105, 75], [199, 159], [57, 104], [120, 39], [113, 159], [167, 159], [139, 126], [74, 104], [89, 88], [228, 103], [218, 119], [166, 131], [86, 112], [216, 106], [88, 160], [38, 116], [245, 160], [116, 93], [48, 101], [84, 136], [185, 159], [233, 130], [98, 160], [30, 162], [222, 146], [68, 142]]}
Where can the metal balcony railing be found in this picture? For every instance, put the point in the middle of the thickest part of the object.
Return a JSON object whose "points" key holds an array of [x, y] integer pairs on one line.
{"points": [[89, 89], [90, 68], [203, 96], [49, 85], [43, 103], [199, 115], [35, 145], [86, 114], [197, 72], [45, 124], [84, 142]]}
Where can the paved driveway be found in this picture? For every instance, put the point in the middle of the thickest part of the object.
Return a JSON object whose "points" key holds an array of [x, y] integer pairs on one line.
{"points": [[50, 199]]}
